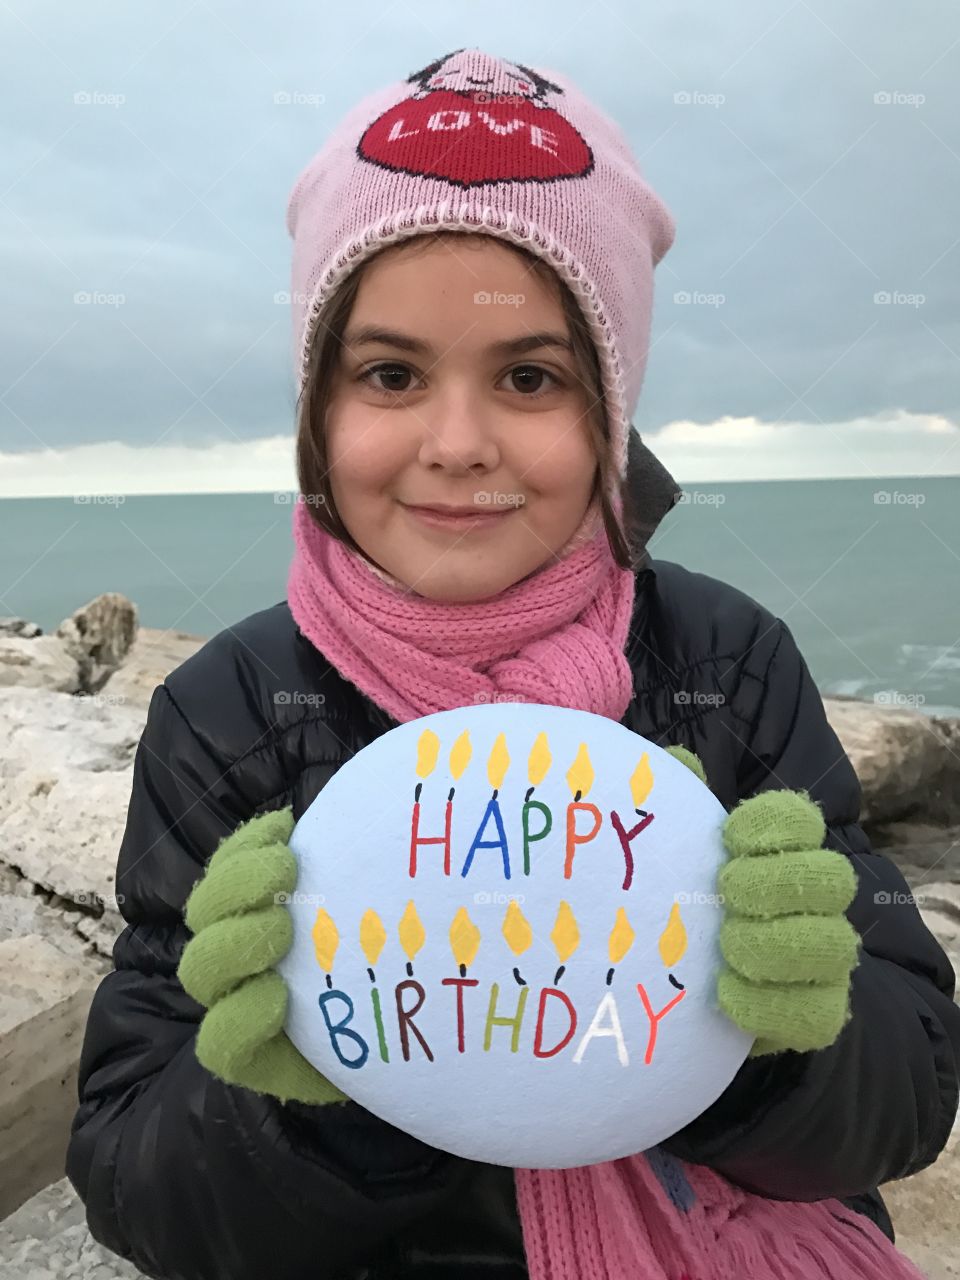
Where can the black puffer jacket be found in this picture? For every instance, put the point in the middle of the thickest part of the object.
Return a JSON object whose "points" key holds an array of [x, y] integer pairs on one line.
{"points": [[194, 1179]]}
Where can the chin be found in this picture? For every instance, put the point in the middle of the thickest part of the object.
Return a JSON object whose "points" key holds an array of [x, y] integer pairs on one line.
{"points": [[459, 588]]}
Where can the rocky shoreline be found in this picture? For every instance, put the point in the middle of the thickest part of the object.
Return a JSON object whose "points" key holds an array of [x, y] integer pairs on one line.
{"points": [[72, 708]]}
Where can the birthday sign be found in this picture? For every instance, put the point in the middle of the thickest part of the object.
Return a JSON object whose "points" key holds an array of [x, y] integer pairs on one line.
{"points": [[505, 936]]}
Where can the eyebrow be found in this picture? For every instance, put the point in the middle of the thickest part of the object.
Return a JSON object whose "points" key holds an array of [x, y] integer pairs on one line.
{"points": [[368, 335]]}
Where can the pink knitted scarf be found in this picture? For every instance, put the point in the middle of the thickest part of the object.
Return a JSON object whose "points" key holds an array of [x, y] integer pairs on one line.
{"points": [[558, 637]]}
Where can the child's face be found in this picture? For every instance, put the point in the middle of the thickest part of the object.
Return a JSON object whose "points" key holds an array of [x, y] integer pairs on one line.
{"points": [[458, 422]]}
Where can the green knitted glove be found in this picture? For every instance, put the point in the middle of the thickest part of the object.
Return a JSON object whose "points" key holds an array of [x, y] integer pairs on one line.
{"points": [[240, 931], [789, 946]]}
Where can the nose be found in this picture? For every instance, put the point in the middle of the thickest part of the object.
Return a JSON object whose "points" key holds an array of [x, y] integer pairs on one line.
{"points": [[458, 434]]}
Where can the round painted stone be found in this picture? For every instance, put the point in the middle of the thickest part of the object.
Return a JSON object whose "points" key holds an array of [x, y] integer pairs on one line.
{"points": [[506, 936]]}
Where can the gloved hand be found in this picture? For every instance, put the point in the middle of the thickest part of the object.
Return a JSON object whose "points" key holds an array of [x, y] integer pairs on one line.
{"points": [[789, 946], [240, 931]]}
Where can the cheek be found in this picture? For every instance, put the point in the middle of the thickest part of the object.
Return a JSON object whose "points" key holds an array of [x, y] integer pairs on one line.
{"points": [[562, 461], [362, 453]]}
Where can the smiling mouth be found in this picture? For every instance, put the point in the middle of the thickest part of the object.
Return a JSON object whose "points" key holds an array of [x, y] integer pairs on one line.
{"points": [[459, 520]]}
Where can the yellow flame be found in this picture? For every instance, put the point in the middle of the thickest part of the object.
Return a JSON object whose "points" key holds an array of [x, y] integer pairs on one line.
{"points": [[539, 760], [411, 930], [580, 773], [372, 936], [565, 935], [325, 940], [641, 781], [516, 929], [673, 940], [498, 761], [428, 745], [621, 937], [460, 754], [464, 938]]}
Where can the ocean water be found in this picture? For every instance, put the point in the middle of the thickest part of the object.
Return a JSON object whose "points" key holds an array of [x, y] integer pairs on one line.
{"points": [[866, 573]]}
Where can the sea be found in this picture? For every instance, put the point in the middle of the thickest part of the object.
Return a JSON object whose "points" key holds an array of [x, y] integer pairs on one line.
{"points": [[865, 572]]}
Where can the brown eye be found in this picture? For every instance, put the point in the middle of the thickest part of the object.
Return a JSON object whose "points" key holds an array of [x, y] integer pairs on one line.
{"points": [[389, 371], [530, 377]]}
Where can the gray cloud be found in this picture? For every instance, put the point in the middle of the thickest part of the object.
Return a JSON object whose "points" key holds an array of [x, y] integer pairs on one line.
{"points": [[174, 200]]}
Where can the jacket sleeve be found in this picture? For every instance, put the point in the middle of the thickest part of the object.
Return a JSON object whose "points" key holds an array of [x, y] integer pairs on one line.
{"points": [[878, 1104], [184, 1175]]}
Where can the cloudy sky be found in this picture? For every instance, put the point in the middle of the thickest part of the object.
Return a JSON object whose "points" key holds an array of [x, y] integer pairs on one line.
{"points": [[806, 321]]}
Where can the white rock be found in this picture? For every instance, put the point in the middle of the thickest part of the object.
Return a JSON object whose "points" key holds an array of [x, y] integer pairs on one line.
{"points": [[908, 763], [65, 776], [47, 1239], [19, 627], [40, 663]]}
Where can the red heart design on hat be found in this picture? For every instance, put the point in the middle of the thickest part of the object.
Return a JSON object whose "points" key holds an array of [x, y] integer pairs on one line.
{"points": [[473, 138]]}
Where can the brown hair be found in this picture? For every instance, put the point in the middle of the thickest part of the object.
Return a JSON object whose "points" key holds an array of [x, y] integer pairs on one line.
{"points": [[314, 399]]}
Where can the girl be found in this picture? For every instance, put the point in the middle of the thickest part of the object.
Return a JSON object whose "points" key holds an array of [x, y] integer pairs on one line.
{"points": [[472, 283]]}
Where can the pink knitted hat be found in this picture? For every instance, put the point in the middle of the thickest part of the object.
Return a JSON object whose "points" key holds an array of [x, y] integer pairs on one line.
{"points": [[478, 143]]}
